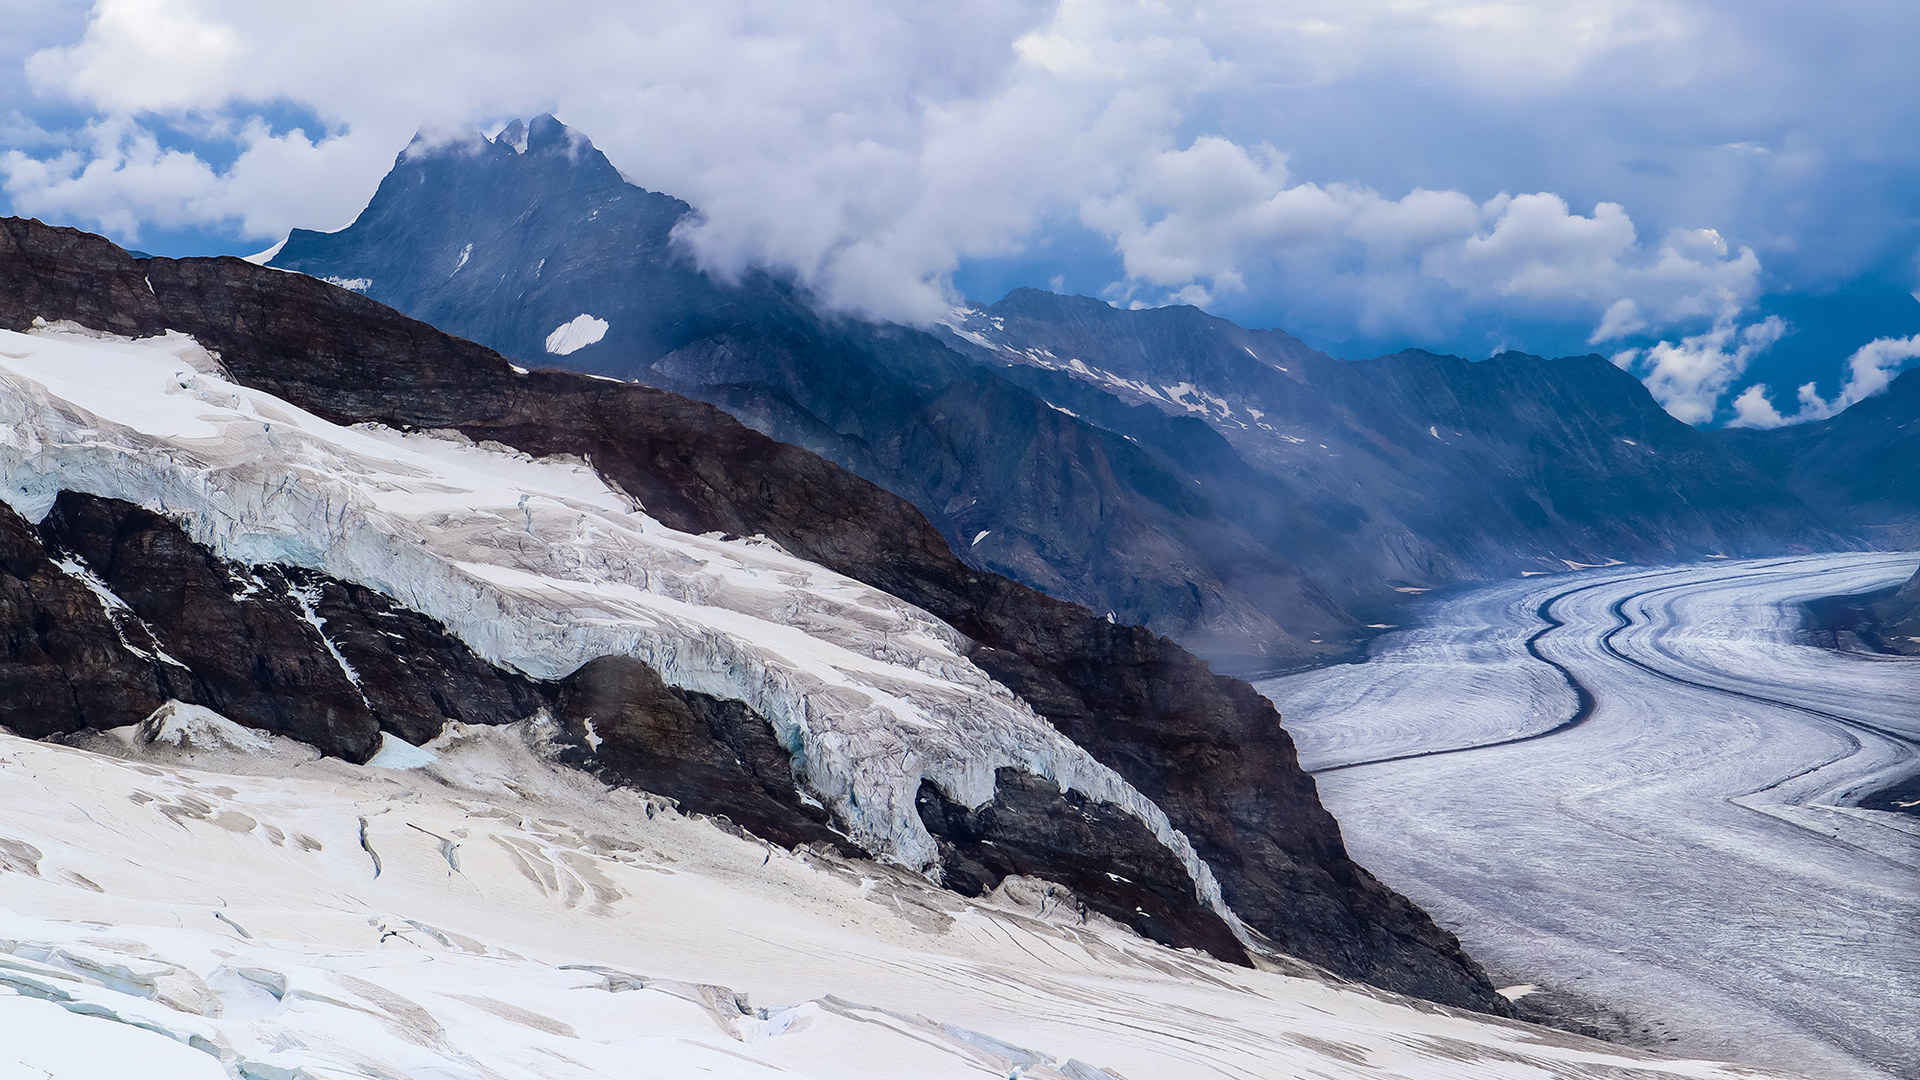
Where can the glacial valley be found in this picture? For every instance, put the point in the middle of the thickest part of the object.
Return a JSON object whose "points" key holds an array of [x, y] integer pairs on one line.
{"points": [[1639, 786]]}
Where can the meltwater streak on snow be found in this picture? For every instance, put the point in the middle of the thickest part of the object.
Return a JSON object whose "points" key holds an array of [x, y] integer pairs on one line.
{"points": [[575, 334], [539, 565], [1690, 850], [530, 924]]}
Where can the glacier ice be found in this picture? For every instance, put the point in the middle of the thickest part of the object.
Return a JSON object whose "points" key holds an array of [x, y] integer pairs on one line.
{"points": [[540, 566]]}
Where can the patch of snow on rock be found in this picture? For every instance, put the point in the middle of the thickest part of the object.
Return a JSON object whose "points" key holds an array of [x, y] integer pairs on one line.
{"points": [[398, 753], [575, 334], [262, 258]]}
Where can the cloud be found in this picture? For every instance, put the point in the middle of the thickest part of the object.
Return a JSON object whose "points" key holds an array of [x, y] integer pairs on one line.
{"points": [[1216, 212], [1689, 378], [1340, 162], [116, 176], [1621, 319], [1870, 370], [1752, 409]]}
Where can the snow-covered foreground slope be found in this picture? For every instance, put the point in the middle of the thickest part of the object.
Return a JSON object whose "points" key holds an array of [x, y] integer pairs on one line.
{"points": [[181, 914], [1690, 850], [540, 566]]}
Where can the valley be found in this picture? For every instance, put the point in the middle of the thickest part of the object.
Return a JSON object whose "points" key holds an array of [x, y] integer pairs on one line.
{"points": [[1636, 786]]}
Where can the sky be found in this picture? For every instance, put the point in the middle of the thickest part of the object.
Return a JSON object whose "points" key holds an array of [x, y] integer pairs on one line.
{"points": [[1719, 195]]}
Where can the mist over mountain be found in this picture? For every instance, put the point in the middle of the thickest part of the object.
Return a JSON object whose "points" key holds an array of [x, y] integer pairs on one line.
{"points": [[1235, 488]]}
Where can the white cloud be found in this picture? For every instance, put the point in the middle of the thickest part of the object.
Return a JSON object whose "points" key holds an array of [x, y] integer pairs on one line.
{"points": [[874, 146], [116, 176], [1870, 370], [1216, 211], [1621, 319], [1689, 378], [1752, 409]]}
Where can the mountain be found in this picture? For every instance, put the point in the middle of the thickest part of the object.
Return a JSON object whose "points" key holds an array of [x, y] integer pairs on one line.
{"points": [[1429, 469], [1855, 468], [533, 244], [1233, 488], [692, 609]]}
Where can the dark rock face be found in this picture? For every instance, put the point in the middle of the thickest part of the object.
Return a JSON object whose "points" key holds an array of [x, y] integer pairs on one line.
{"points": [[414, 674], [244, 652], [63, 667], [714, 756], [239, 640], [1101, 852], [1209, 749]]}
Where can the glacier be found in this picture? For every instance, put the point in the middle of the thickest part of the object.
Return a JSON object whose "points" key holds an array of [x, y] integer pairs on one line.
{"points": [[1687, 844], [540, 566]]}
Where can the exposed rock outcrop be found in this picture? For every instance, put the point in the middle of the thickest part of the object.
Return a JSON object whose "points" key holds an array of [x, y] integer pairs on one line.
{"points": [[714, 756], [1098, 851], [108, 612]]}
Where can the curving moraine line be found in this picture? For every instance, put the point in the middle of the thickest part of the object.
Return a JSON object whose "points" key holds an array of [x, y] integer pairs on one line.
{"points": [[1846, 726], [1585, 701]]}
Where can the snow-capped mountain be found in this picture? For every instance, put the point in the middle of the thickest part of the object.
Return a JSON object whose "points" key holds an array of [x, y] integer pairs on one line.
{"points": [[260, 494], [1235, 489]]}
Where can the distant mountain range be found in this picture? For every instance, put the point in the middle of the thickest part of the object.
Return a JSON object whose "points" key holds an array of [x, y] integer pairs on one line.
{"points": [[1257, 499]]}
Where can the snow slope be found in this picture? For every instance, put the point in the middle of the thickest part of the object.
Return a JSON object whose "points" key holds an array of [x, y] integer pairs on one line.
{"points": [[194, 913], [539, 565], [1690, 851]]}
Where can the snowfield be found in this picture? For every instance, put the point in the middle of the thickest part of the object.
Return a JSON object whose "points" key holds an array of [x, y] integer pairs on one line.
{"points": [[1684, 843], [177, 910], [538, 565]]}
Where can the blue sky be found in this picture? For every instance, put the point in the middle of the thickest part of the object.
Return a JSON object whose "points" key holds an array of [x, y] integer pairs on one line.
{"points": [[1719, 195]]}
